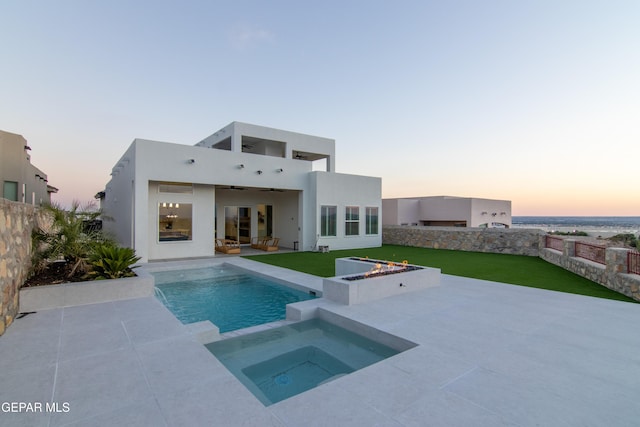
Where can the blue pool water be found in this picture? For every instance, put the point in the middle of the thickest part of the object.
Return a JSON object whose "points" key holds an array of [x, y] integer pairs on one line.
{"points": [[281, 362], [229, 297]]}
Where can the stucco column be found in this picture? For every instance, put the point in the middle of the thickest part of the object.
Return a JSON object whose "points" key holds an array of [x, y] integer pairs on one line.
{"points": [[542, 241], [616, 259], [569, 248]]}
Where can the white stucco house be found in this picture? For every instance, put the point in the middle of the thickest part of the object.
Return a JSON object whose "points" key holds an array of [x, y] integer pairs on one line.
{"points": [[171, 201], [447, 211]]}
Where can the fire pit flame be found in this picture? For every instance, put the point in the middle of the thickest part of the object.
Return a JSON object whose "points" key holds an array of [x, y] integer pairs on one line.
{"points": [[381, 269]]}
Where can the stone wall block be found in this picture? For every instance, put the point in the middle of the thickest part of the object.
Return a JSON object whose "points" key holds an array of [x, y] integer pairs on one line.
{"points": [[506, 241], [17, 220]]}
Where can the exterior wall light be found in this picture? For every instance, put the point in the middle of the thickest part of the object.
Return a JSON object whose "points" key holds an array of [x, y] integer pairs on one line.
{"points": [[280, 170], [191, 161], [259, 172], [241, 166]]}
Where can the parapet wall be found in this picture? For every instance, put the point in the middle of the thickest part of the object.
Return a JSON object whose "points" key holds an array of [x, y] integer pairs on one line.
{"points": [[17, 220], [494, 240]]}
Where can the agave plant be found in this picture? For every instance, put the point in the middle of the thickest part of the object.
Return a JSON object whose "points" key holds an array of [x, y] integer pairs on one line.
{"points": [[112, 262]]}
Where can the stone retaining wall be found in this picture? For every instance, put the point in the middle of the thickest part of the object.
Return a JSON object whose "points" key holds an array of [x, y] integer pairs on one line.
{"points": [[613, 275], [17, 220], [495, 240]]}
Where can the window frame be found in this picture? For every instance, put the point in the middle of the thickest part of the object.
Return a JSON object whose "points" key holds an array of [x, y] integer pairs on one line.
{"points": [[328, 220], [368, 220], [351, 220]]}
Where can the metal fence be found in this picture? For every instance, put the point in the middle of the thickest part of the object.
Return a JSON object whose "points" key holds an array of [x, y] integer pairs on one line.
{"points": [[633, 262], [556, 243], [591, 252]]}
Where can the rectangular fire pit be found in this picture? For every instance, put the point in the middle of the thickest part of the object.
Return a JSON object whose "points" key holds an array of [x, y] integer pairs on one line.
{"points": [[360, 280]]}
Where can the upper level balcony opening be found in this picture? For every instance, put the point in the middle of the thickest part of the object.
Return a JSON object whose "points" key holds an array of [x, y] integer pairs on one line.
{"points": [[320, 162], [263, 147], [225, 144]]}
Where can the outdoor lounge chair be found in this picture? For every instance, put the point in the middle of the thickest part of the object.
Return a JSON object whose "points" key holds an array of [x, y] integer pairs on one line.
{"points": [[259, 242], [270, 245], [227, 246]]}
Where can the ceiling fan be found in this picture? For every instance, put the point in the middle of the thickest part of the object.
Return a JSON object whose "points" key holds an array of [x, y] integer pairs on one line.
{"points": [[233, 188], [300, 156], [273, 190]]}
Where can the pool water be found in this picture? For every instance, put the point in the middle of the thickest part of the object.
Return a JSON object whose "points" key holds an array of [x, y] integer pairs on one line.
{"points": [[281, 362], [229, 297]]}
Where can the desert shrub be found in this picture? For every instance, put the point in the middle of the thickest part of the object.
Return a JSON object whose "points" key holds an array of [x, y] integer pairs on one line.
{"points": [[67, 238], [627, 239], [569, 233]]}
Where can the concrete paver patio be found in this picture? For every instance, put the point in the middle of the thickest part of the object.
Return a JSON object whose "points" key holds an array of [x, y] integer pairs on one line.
{"points": [[488, 354]]}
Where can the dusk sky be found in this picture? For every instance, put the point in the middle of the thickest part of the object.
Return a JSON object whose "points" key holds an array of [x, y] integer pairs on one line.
{"points": [[537, 102]]}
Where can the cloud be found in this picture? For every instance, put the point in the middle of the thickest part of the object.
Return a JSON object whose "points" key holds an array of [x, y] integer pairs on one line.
{"points": [[244, 36]]}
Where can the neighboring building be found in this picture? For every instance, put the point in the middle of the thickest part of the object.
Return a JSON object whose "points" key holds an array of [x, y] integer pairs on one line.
{"points": [[171, 201], [446, 211], [21, 181]]}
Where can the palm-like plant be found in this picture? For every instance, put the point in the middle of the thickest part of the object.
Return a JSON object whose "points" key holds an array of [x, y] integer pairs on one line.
{"points": [[112, 262], [67, 237]]}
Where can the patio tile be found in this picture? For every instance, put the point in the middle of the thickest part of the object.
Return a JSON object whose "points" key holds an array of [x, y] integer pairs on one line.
{"points": [[329, 405], [32, 385], [542, 397], [384, 387], [161, 325], [92, 339], [223, 402], [430, 365], [143, 414], [82, 315], [32, 341], [44, 321], [98, 384], [31, 419], [137, 308], [177, 363], [439, 408], [589, 361]]}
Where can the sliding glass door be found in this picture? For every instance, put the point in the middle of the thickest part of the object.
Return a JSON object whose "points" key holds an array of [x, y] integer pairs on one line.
{"points": [[237, 223], [265, 220]]}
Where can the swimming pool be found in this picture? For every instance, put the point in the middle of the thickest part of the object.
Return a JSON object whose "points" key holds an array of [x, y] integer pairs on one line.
{"points": [[281, 362], [228, 296]]}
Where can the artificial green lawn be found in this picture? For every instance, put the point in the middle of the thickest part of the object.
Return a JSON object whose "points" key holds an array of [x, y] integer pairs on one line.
{"points": [[513, 269]]}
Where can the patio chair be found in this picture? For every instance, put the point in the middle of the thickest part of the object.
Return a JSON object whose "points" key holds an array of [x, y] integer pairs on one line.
{"points": [[271, 245], [227, 246], [259, 242]]}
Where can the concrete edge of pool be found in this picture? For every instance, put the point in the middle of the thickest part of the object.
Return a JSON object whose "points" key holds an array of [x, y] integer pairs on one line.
{"points": [[312, 361]]}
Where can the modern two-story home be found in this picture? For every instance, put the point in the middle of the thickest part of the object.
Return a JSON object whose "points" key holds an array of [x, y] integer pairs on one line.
{"points": [[21, 180], [171, 201]]}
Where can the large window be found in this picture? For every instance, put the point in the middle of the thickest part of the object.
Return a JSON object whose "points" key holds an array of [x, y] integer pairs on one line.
{"points": [[10, 190], [174, 222], [352, 221], [371, 221], [328, 220]]}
